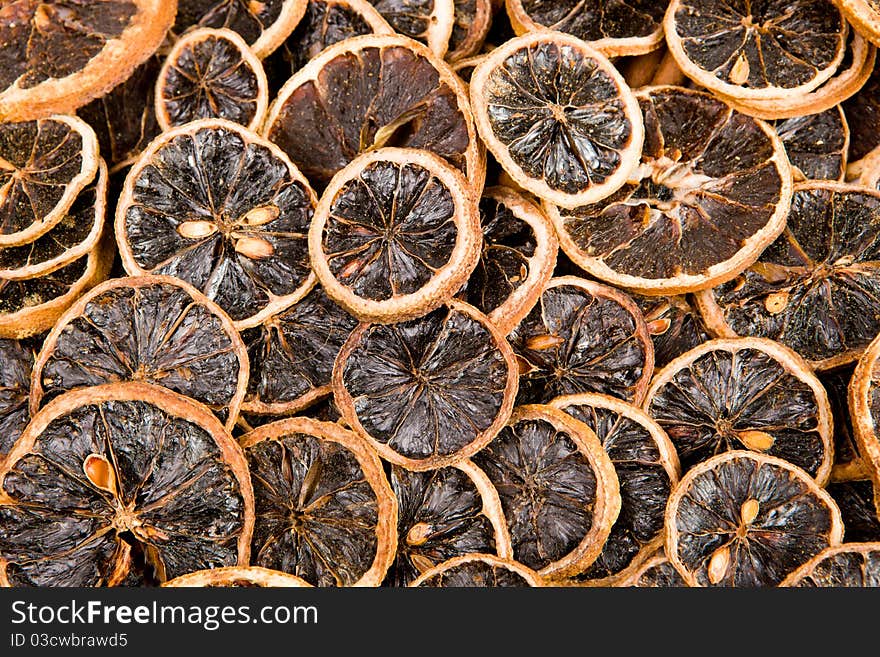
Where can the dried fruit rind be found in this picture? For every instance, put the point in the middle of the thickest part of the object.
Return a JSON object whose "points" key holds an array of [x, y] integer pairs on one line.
{"points": [[479, 570]]}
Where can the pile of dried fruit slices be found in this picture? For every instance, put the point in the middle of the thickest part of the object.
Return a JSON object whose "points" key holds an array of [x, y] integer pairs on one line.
{"points": [[439, 293]]}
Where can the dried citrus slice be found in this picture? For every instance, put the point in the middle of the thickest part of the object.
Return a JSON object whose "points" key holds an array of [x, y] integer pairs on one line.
{"points": [[864, 407], [427, 392], [854, 71], [395, 234], [78, 233], [582, 336], [480, 571], [855, 499], [711, 192], [16, 365], [444, 513], [119, 480], [327, 22], [349, 100], [863, 117], [154, 329], [238, 577], [864, 16], [292, 354], [325, 511], [847, 565], [44, 165], [745, 519], [471, 24], [516, 261], [264, 24], [656, 572], [816, 144], [747, 393], [32, 305], [57, 56], [674, 324], [614, 27], [428, 21], [124, 119], [848, 463], [217, 206], [558, 117], [558, 489], [755, 51], [814, 288], [211, 74], [647, 469]]}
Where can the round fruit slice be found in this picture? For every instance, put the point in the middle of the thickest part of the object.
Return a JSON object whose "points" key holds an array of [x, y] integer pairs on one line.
{"points": [[238, 577], [557, 486], [656, 572], [863, 117], [263, 25], [325, 511], [558, 117], [747, 393], [428, 392], [674, 324], [222, 209], [516, 261], [154, 329], [647, 470], [31, 306], [211, 74], [350, 99], [615, 27], [122, 480], [847, 565], [583, 337], [444, 513], [57, 56], [327, 22], [753, 51], [124, 119], [44, 165], [473, 18], [744, 519], [855, 499], [396, 233], [478, 571], [292, 355], [428, 21], [848, 463], [711, 192], [864, 16], [814, 288], [864, 406], [74, 236], [16, 365], [816, 144]]}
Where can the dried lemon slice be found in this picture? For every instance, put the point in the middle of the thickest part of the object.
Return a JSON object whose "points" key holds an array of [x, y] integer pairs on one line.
{"points": [[712, 191], [745, 519], [864, 16], [122, 481], [756, 51], [656, 572], [211, 74], [847, 565], [816, 144], [864, 411], [16, 365], [325, 511], [747, 393], [154, 329], [861, 521], [428, 392], [614, 27], [396, 234], [428, 21], [222, 209], [814, 288], [558, 117], [478, 570], [471, 24], [674, 324], [238, 577], [557, 486], [57, 56]]}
